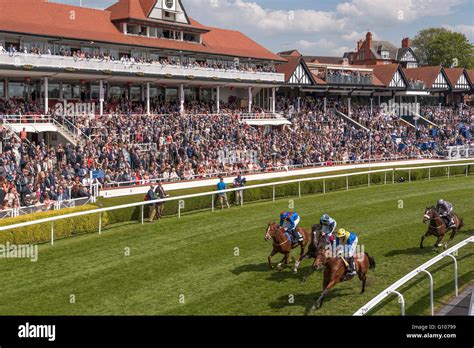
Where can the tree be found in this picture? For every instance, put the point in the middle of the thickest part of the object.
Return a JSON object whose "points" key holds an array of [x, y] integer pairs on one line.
{"points": [[440, 46]]}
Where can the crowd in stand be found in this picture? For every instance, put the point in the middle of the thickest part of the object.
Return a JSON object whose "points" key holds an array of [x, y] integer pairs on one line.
{"points": [[136, 60], [201, 144]]}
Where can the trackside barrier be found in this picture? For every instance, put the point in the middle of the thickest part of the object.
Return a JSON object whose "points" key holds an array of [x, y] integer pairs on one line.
{"points": [[392, 289], [212, 194]]}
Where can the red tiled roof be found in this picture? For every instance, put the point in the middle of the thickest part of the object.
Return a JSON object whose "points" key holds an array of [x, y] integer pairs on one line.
{"points": [[289, 67], [384, 73], [73, 22], [453, 75], [427, 74]]}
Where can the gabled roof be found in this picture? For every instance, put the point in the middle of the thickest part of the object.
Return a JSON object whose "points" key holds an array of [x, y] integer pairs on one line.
{"points": [[293, 53], [53, 20], [427, 74], [453, 75], [385, 73], [378, 46], [290, 67]]}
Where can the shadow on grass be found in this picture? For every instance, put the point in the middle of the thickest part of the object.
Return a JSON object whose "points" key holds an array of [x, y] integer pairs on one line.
{"points": [[306, 301], [252, 268], [428, 246]]}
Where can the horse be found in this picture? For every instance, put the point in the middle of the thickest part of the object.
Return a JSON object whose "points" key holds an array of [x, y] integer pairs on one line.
{"points": [[282, 245], [437, 227], [335, 268]]}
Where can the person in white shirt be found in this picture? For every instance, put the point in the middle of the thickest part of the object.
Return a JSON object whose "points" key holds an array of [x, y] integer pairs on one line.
{"points": [[2, 49]]}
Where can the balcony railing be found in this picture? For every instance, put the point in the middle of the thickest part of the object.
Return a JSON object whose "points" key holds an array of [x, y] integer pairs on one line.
{"points": [[70, 64], [349, 80]]}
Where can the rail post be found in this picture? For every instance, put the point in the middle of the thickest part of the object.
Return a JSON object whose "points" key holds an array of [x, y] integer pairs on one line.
{"points": [[449, 172], [401, 300], [409, 175], [385, 178], [347, 182], [431, 289], [212, 203], [455, 273], [100, 222], [52, 232], [393, 176], [429, 174], [467, 170], [368, 180], [179, 209], [324, 186], [299, 189], [142, 213], [273, 193]]}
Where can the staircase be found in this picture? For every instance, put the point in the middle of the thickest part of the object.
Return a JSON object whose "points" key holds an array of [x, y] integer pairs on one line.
{"points": [[349, 120]]}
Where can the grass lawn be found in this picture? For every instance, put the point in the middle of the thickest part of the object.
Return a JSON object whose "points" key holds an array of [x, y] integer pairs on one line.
{"points": [[215, 263]]}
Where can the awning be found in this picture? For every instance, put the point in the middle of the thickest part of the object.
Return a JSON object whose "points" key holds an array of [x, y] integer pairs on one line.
{"points": [[33, 127], [267, 122]]}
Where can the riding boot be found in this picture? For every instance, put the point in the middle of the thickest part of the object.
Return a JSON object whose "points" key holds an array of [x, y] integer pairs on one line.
{"points": [[451, 223], [351, 271], [300, 237]]}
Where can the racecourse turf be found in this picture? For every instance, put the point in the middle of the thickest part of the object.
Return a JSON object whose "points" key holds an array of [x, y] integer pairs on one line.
{"points": [[215, 263]]}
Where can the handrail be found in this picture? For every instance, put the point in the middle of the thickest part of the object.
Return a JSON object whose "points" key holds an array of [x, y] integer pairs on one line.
{"points": [[203, 194], [392, 288]]}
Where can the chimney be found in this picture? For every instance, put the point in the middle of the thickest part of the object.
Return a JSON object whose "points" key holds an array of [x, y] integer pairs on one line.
{"points": [[359, 45], [368, 40], [406, 42]]}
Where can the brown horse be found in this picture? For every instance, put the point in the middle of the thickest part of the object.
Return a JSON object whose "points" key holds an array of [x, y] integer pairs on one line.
{"points": [[335, 268], [437, 227], [282, 245]]}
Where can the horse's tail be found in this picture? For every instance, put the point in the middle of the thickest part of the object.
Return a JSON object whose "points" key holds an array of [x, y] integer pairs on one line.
{"points": [[371, 261], [461, 223]]}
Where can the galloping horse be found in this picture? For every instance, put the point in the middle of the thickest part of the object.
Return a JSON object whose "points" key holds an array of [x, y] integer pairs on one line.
{"points": [[437, 227], [335, 268], [282, 244]]}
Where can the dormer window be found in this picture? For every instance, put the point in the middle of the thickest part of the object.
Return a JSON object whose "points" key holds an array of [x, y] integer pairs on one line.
{"points": [[385, 54]]}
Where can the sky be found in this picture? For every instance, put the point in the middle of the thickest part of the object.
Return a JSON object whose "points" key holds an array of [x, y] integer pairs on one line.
{"points": [[324, 27]]}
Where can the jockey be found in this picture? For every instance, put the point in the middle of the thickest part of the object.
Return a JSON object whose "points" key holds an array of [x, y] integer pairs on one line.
{"points": [[445, 209], [290, 220], [348, 240], [328, 226]]}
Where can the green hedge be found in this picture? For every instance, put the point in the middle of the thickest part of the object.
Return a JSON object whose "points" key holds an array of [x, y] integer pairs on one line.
{"points": [[281, 191], [41, 233]]}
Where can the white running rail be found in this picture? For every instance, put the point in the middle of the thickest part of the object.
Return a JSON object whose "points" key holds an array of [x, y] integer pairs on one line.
{"points": [[392, 289], [212, 194]]}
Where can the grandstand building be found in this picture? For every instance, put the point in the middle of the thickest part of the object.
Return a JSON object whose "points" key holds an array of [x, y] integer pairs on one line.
{"points": [[78, 53]]}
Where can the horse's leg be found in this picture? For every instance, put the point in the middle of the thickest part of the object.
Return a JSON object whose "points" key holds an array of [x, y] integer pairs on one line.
{"points": [[362, 272], [284, 260], [270, 258], [311, 271], [302, 256], [437, 244], [423, 238], [330, 285]]}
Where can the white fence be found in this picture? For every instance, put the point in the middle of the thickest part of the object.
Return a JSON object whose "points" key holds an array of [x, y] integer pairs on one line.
{"points": [[392, 289], [212, 194]]}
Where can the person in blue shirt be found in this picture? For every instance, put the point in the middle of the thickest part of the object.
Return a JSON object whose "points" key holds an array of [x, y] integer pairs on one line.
{"points": [[328, 226], [223, 195], [289, 221], [348, 241]]}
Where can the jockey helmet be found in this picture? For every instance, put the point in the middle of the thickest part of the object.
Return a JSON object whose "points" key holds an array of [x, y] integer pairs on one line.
{"points": [[441, 202], [341, 233], [325, 218]]}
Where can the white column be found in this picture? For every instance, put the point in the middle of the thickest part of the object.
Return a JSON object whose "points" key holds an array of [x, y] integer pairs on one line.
{"points": [[46, 99], [218, 99], [349, 107], [299, 104], [273, 99], [61, 92], [148, 98], [125, 28], [101, 97], [250, 100], [181, 98], [371, 106], [325, 105]]}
